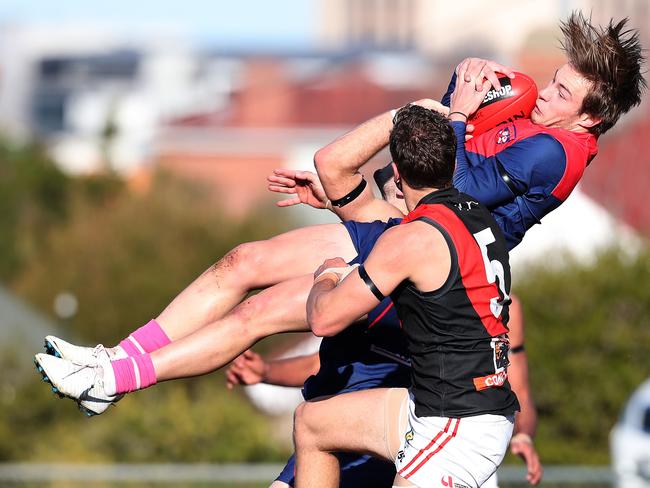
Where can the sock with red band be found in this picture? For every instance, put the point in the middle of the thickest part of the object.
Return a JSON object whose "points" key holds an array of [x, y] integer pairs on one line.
{"points": [[130, 374], [148, 338]]}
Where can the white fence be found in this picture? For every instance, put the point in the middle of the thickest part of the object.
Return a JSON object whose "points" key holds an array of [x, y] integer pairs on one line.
{"points": [[239, 473]]}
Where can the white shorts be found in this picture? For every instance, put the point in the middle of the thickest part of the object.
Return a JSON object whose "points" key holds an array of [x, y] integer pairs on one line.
{"points": [[491, 482], [451, 452]]}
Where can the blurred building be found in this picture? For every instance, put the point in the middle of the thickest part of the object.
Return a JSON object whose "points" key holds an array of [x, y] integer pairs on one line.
{"points": [[438, 27], [227, 118], [97, 99], [283, 110]]}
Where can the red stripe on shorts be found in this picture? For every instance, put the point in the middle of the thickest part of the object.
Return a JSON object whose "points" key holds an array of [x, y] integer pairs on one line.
{"points": [[435, 439], [442, 444]]}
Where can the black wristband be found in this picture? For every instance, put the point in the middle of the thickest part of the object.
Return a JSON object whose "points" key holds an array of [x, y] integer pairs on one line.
{"points": [[517, 349], [459, 113], [343, 201], [370, 284]]}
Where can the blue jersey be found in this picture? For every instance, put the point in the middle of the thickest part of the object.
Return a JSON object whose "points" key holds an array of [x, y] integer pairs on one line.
{"points": [[520, 171]]}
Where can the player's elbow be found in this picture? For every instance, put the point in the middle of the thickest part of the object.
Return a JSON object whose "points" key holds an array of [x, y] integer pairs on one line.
{"points": [[321, 324], [325, 163], [321, 158]]}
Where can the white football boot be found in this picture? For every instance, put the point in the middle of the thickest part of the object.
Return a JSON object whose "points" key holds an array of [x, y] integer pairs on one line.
{"points": [[79, 354], [81, 382]]}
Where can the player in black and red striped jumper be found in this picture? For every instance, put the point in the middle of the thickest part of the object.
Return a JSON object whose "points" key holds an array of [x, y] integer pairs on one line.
{"points": [[446, 269]]}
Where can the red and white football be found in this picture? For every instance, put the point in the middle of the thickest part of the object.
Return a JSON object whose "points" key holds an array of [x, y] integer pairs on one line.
{"points": [[514, 100]]}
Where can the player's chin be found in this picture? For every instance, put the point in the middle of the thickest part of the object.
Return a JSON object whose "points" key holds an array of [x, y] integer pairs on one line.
{"points": [[536, 117]]}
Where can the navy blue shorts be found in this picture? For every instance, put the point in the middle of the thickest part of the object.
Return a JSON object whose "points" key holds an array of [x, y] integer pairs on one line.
{"points": [[365, 234], [356, 472]]}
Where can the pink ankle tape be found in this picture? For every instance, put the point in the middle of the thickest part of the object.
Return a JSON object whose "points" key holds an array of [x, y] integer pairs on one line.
{"points": [[124, 375], [146, 369], [148, 338], [129, 347], [133, 373]]}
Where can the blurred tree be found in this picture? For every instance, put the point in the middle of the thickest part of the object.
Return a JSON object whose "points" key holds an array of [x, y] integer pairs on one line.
{"points": [[124, 256], [33, 197], [587, 340], [125, 260], [184, 421]]}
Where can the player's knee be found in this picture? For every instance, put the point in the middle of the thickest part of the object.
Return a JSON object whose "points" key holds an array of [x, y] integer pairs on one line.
{"points": [[247, 316], [251, 317], [303, 432], [239, 264]]}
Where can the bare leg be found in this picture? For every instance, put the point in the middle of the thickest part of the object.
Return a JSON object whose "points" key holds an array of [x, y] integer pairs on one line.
{"points": [[280, 308], [252, 266], [355, 422]]}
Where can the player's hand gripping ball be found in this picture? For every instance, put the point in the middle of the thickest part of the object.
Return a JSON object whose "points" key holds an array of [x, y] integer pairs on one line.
{"points": [[515, 100]]}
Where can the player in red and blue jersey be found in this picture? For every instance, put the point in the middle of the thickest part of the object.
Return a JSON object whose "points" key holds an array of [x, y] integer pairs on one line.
{"points": [[586, 97], [523, 170]]}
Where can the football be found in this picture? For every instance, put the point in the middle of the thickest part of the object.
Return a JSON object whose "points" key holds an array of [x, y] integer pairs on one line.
{"points": [[514, 100]]}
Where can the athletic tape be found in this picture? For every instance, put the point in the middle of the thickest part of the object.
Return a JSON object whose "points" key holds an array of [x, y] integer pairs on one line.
{"points": [[342, 272]]}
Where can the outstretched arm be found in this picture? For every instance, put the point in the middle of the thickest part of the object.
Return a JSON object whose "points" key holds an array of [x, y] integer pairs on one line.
{"points": [[339, 162], [522, 442], [250, 368], [303, 185]]}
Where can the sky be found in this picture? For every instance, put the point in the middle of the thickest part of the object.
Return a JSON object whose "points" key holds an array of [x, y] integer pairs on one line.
{"points": [[233, 23]]}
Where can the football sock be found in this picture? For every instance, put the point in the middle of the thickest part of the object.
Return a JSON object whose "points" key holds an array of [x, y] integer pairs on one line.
{"points": [[130, 374], [148, 338]]}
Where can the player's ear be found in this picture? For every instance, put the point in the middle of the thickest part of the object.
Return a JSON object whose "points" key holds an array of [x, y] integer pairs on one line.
{"points": [[397, 177], [587, 121], [395, 171]]}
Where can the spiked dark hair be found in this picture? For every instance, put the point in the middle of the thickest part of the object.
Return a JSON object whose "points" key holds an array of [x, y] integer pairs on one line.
{"points": [[611, 59]]}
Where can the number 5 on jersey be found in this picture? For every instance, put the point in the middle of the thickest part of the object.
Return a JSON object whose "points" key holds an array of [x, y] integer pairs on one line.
{"points": [[493, 270]]}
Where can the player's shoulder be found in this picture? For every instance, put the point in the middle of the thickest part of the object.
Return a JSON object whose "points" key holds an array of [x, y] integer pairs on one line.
{"points": [[415, 237], [543, 138], [523, 136], [537, 150]]}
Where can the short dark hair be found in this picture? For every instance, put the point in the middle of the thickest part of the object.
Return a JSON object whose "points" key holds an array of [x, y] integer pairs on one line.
{"points": [[611, 59], [423, 146]]}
